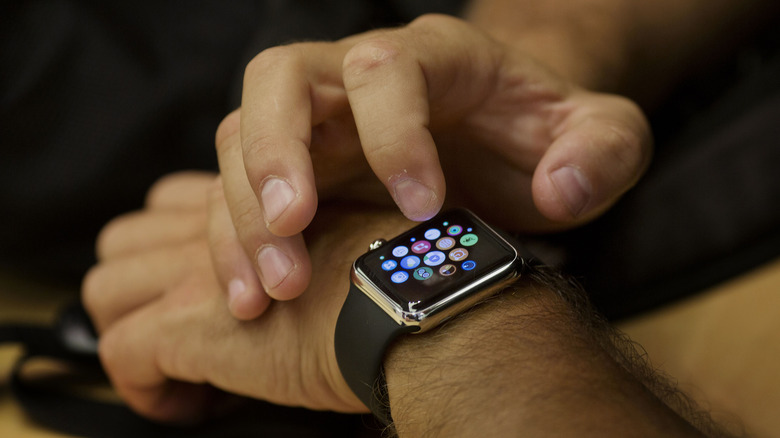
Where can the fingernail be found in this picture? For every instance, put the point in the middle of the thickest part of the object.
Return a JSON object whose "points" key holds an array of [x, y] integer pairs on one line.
{"points": [[236, 288], [274, 266], [276, 196], [415, 200], [573, 187]]}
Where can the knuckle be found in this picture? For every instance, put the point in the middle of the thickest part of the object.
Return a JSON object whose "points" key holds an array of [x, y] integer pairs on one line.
{"points": [[216, 194], [169, 191], [110, 352], [160, 189], [93, 293], [433, 21], [627, 149], [220, 245], [624, 138], [89, 287], [258, 145], [110, 236], [247, 221], [627, 139], [634, 136], [369, 55], [271, 59], [260, 155], [227, 129]]}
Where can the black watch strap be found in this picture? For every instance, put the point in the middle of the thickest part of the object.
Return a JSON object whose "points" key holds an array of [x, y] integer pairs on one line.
{"points": [[363, 334]]}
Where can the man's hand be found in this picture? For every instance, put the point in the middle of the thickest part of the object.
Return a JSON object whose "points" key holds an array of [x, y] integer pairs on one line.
{"points": [[395, 112], [166, 336], [167, 339]]}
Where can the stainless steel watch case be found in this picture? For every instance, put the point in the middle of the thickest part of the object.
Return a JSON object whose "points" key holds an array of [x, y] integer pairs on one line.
{"points": [[454, 303]]}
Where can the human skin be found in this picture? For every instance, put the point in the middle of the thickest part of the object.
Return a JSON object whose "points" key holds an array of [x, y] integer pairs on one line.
{"points": [[159, 285], [168, 339], [489, 113], [383, 117]]}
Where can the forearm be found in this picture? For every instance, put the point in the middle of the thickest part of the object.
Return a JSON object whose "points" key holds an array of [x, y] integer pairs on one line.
{"points": [[632, 47], [527, 361]]}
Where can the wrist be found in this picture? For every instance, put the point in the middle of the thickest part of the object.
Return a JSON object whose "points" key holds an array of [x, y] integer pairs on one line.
{"points": [[436, 377], [529, 359]]}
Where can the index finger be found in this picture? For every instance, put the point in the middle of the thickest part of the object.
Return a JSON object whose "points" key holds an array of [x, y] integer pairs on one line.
{"points": [[396, 82]]}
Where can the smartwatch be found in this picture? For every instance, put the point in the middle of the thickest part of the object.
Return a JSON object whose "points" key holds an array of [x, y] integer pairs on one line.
{"points": [[411, 284]]}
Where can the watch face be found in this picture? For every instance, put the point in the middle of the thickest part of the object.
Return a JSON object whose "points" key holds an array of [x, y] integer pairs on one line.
{"points": [[446, 255]]}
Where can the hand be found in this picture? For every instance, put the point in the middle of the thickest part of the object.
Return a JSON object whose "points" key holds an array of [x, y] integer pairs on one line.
{"points": [[166, 336], [168, 341], [521, 147]]}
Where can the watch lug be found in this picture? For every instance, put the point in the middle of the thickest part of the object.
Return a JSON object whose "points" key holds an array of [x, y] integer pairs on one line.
{"points": [[376, 244]]}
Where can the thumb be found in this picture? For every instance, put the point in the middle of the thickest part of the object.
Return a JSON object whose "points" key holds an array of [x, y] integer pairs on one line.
{"points": [[599, 151]]}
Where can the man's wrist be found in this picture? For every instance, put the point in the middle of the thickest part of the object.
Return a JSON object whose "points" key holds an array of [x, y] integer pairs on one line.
{"points": [[436, 376], [528, 360]]}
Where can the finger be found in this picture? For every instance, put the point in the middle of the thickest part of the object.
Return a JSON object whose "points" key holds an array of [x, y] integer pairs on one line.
{"points": [[246, 297], [394, 135], [393, 81], [140, 231], [340, 167], [276, 120], [129, 354], [180, 191], [115, 288], [282, 263], [599, 152]]}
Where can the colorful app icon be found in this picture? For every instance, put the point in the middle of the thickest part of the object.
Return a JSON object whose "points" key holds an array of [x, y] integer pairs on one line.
{"points": [[400, 251], [389, 265], [454, 230], [445, 243], [421, 247], [399, 277], [447, 270], [423, 273], [468, 239], [410, 262], [468, 265], [434, 258], [432, 234], [458, 254]]}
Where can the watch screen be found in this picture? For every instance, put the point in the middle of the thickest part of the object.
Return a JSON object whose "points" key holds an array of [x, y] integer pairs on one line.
{"points": [[427, 263]]}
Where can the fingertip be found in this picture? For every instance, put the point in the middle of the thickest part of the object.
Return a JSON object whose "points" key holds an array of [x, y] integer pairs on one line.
{"points": [[284, 276], [567, 196], [417, 201], [287, 209], [601, 154], [573, 189], [228, 127], [277, 195]]}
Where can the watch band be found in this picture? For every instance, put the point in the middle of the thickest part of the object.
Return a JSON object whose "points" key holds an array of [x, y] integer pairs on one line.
{"points": [[363, 334]]}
